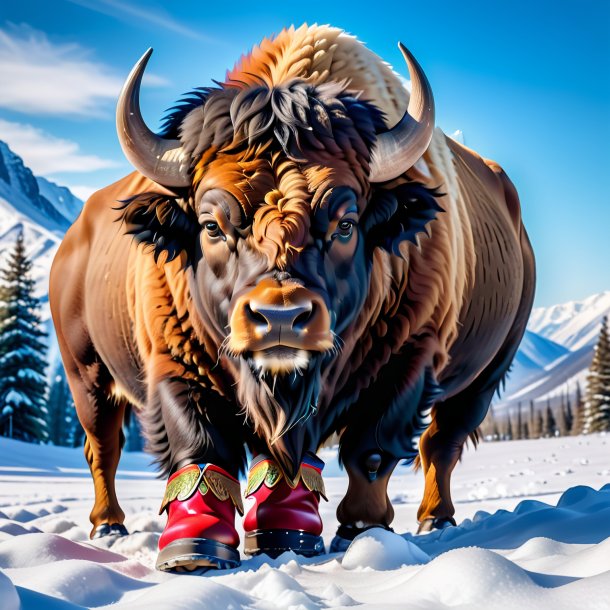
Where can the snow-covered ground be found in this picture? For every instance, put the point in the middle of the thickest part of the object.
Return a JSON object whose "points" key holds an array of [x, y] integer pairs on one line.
{"points": [[534, 533]]}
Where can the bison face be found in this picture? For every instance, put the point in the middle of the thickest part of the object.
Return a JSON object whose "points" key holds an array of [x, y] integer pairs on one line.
{"points": [[277, 217], [284, 270]]}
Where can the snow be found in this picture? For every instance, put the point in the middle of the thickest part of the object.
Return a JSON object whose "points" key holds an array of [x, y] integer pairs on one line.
{"points": [[573, 324], [380, 549], [15, 398], [556, 351], [534, 532]]}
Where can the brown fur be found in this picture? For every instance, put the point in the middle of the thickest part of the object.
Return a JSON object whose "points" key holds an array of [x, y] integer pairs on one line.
{"points": [[128, 323]]}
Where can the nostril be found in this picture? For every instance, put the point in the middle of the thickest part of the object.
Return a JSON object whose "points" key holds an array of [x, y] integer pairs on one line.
{"points": [[255, 316], [301, 320]]}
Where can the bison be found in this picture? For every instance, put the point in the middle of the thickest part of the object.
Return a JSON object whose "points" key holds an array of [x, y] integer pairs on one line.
{"points": [[299, 254]]}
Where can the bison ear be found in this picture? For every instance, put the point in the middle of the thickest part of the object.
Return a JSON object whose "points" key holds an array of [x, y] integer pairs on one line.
{"points": [[160, 222], [400, 214]]}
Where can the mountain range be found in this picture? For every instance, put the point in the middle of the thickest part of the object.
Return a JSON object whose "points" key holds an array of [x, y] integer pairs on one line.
{"points": [[556, 351], [41, 209], [554, 355]]}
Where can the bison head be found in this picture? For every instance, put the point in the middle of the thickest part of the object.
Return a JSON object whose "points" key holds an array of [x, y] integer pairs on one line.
{"points": [[282, 194]]}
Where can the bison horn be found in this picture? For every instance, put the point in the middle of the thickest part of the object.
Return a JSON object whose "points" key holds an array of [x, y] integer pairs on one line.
{"points": [[159, 159], [398, 149]]}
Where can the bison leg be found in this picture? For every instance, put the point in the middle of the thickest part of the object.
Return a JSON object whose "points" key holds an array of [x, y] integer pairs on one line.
{"points": [[440, 449], [198, 440], [366, 503], [101, 416], [379, 434], [458, 417], [185, 424], [369, 468]]}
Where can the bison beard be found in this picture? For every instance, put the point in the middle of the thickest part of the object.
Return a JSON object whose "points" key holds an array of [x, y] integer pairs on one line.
{"points": [[278, 407]]}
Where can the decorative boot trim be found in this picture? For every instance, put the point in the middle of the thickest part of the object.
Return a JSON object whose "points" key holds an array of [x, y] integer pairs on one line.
{"points": [[267, 472], [202, 477]]}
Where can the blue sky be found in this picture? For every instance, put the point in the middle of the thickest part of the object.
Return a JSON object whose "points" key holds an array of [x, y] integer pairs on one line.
{"points": [[528, 84]]}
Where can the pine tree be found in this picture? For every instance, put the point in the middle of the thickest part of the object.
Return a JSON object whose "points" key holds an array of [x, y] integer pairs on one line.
{"points": [[519, 431], [526, 430], [550, 425], [23, 385], [495, 432], [578, 421], [569, 415], [597, 400], [63, 422], [536, 423], [509, 428], [539, 424], [562, 420]]}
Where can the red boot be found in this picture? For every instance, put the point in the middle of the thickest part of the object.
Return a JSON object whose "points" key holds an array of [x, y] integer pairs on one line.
{"points": [[200, 531], [284, 516]]}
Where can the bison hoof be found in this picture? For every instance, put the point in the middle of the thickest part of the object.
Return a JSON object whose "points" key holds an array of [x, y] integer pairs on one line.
{"points": [[435, 523], [346, 533], [105, 529]]}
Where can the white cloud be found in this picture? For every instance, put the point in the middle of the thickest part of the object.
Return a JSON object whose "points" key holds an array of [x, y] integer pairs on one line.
{"points": [[40, 77], [83, 191], [46, 154]]}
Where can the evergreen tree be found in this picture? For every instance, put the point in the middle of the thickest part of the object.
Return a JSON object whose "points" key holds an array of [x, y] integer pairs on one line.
{"points": [[23, 385], [63, 422], [562, 421], [526, 430], [535, 422], [539, 424], [532, 421], [495, 432], [569, 415], [550, 425], [578, 421], [509, 428], [597, 400], [519, 431]]}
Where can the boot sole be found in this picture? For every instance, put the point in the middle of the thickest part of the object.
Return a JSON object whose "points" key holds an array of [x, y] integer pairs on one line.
{"points": [[192, 554], [276, 542]]}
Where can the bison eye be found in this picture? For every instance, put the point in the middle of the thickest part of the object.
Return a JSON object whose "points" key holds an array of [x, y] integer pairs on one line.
{"points": [[212, 228], [345, 229]]}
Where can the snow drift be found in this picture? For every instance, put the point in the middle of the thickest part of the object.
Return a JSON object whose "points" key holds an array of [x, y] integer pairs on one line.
{"points": [[531, 536]]}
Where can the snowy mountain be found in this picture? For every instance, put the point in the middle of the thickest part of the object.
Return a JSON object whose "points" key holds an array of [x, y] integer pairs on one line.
{"points": [[556, 350], [574, 324], [67, 204], [42, 209]]}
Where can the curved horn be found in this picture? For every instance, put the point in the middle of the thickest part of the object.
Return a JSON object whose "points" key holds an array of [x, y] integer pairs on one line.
{"points": [[159, 159], [399, 149]]}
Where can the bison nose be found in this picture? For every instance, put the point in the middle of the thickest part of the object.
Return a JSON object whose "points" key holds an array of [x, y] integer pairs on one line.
{"points": [[287, 315], [272, 319]]}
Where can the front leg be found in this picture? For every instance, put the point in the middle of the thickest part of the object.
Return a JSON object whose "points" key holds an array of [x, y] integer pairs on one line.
{"points": [[185, 423], [380, 432], [369, 468], [199, 441]]}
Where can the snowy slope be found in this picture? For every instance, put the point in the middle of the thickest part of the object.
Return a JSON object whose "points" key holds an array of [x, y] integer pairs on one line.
{"points": [[533, 533], [556, 351], [68, 205], [42, 209], [574, 324], [536, 353]]}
